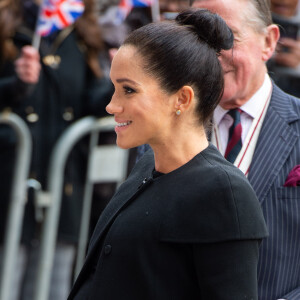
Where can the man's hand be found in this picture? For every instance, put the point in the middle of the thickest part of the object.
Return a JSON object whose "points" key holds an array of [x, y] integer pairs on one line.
{"points": [[28, 65], [288, 53]]}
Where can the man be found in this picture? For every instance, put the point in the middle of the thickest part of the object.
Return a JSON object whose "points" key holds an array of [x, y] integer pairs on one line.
{"points": [[268, 148]]}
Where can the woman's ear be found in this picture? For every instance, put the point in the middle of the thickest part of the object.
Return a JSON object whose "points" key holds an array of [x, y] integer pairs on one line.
{"points": [[185, 98]]}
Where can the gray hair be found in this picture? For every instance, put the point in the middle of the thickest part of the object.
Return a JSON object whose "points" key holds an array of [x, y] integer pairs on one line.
{"points": [[258, 16]]}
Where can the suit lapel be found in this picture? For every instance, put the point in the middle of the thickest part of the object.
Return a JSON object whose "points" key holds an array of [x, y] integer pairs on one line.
{"points": [[276, 140]]}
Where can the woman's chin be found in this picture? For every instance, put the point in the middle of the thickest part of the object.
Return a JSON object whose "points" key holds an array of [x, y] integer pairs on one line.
{"points": [[128, 143], [124, 145]]}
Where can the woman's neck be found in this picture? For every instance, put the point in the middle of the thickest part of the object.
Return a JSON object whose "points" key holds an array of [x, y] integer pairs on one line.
{"points": [[179, 150]]}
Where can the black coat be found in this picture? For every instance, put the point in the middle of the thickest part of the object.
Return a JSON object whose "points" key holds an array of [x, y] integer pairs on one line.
{"points": [[193, 233]]}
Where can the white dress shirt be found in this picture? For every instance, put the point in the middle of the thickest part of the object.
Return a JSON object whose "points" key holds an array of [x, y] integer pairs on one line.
{"points": [[250, 110]]}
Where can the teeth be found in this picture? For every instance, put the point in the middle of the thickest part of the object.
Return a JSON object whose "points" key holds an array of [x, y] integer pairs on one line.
{"points": [[124, 124]]}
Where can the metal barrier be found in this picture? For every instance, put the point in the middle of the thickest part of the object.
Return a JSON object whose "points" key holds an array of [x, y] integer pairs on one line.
{"points": [[107, 163], [17, 201], [63, 147]]}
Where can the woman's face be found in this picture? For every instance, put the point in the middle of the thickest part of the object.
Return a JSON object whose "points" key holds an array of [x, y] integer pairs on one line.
{"points": [[142, 109]]}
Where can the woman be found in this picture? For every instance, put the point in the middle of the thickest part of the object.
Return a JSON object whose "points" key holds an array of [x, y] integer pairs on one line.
{"points": [[186, 224]]}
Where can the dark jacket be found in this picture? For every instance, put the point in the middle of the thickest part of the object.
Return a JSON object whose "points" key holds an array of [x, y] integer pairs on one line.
{"points": [[277, 153], [190, 234]]}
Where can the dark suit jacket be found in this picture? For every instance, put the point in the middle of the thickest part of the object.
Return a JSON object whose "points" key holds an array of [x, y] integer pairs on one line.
{"points": [[277, 152], [190, 234]]}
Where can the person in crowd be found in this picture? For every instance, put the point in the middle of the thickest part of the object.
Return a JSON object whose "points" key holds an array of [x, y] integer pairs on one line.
{"points": [[186, 224], [50, 90], [170, 8], [284, 67], [15, 79], [262, 140], [15, 82]]}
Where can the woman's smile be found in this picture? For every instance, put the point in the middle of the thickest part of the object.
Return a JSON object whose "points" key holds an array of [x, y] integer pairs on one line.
{"points": [[122, 125]]}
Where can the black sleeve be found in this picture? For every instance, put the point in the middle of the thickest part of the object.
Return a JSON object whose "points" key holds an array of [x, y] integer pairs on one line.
{"points": [[13, 90], [227, 270]]}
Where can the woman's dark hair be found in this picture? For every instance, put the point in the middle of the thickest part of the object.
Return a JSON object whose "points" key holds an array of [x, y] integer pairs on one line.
{"points": [[185, 52]]}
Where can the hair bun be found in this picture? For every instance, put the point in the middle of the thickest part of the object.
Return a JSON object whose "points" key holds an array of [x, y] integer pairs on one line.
{"points": [[210, 27]]}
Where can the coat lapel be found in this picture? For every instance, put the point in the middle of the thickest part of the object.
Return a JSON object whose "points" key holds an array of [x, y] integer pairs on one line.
{"points": [[125, 194], [276, 140]]}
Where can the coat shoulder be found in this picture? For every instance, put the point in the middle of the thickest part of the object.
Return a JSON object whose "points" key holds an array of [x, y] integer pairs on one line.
{"points": [[214, 203], [286, 105]]}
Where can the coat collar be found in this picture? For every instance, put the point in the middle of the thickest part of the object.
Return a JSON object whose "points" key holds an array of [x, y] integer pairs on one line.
{"points": [[128, 191], [276, 140]]}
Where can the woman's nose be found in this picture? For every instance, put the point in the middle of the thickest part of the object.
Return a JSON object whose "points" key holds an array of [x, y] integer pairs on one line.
{"points": [[114, 107]]}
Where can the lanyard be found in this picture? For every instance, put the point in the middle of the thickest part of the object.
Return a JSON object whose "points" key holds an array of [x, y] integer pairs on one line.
{"points": [[244, 158]]}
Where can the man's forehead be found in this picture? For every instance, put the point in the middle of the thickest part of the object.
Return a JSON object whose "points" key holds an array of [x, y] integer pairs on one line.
{"points": [[229, 10], [232, 11], [221, 5]]}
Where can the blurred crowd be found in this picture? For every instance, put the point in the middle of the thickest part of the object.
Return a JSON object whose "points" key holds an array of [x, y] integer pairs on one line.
{"points": [[284, 68], [49, 88]]}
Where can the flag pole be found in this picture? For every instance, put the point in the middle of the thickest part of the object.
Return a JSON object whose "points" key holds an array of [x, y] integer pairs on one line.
{"points": [[155, 11], [36, 40]]}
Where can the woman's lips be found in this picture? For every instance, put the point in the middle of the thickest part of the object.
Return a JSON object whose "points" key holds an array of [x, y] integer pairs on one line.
{"points": [[121, 125]]}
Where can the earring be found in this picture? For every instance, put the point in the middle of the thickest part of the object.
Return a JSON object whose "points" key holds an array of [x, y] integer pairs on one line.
{"points": [[178, 112]]}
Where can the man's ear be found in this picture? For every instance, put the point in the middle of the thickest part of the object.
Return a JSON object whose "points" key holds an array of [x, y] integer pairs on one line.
{"points": [[270, 42], [185, 98]]}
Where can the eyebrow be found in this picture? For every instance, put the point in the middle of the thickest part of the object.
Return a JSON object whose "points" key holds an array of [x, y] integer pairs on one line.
{"points": [[121, 80]]}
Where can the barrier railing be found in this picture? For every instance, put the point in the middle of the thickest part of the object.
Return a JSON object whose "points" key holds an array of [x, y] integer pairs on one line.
{"points": [[105, 164], [61, 151], [17, 201]]}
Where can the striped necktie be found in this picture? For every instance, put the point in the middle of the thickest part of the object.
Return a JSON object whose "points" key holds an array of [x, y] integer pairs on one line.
{"points": [[234, 144]]}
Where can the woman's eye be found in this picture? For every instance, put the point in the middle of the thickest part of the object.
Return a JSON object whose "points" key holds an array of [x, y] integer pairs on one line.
{"points": [[128, 90]]}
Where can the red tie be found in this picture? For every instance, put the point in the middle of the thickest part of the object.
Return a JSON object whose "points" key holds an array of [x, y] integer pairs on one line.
{"points": [[234, 144]]}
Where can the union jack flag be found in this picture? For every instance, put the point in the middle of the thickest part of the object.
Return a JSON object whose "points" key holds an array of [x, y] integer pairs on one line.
{"points": [[126, 6], [58, 14]]}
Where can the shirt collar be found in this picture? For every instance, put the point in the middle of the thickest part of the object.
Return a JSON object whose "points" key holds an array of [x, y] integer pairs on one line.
{"points": [[253, 106]]}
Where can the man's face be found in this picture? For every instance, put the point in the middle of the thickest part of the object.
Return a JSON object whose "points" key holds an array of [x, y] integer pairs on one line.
{"points": [[244, 65]]}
